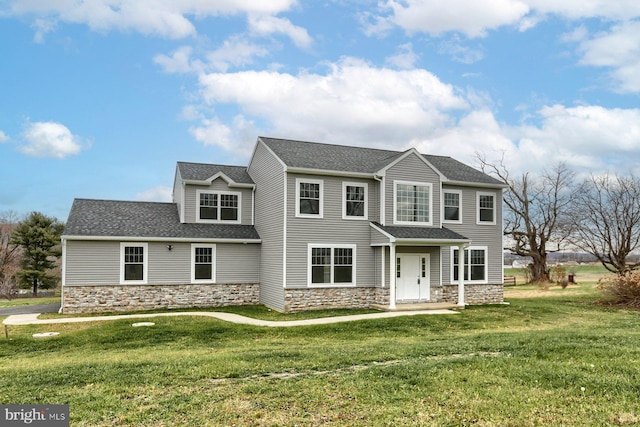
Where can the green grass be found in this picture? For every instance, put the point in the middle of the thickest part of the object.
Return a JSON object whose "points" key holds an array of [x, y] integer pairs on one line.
{"points": [[18, 302], [558, 360]]}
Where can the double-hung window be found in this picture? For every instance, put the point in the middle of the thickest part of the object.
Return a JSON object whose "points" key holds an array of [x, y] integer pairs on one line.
{"points": [[475, 264], [452, 206], [412, 203], [203, 263], [486, 205], [133, 263], [354, 200], [332, 265], [309, 198], [218, 206]]}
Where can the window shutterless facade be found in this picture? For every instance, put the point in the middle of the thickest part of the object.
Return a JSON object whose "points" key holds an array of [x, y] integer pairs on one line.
{"points": [[203, 263], [354, 200], [412, 203], [331, 265], [309, 195], [486, 208], [452, 206], [475, 264], [218, 206], [133, 263]]}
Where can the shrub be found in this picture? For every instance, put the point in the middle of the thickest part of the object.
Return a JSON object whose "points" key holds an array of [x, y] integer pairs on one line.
{"points": [[622, 289], [559, 275]]}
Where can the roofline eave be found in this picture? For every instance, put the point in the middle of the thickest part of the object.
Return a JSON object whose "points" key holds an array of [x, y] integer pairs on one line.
{"points": [[158, 239]]}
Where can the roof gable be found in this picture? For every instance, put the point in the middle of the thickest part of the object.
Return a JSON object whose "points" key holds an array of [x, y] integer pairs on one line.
{"points": [[207, 173]]}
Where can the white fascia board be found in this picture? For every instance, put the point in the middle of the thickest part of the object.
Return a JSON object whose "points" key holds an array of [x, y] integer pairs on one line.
{"points": [[230, 183], [307, 171], [476, 184], [160, 239], [432, 242]]}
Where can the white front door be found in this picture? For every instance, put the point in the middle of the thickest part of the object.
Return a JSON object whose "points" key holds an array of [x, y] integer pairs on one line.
{"points": [[412, 277]]}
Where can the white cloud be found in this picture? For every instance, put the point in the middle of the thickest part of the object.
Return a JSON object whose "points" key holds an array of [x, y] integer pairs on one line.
{"points": [[235, 51], [156, 194], [49, 139], [353, 103], [267, 25], [405, 58], [178, 62], [3, 137], [168, 18], [619, 50], [237, 138]]}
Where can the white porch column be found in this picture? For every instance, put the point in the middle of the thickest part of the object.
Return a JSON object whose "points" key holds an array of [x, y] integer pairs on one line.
{"points": [[461, 270], [383, 268], [392, 276]]}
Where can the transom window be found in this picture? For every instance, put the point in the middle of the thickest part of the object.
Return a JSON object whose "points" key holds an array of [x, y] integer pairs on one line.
{"points": [[354, 200], [452, 206], [331, 265], [309, 198], [218, 206], [413, 203], [133, 265], [475, 264], [202, 262], [486, 208]]}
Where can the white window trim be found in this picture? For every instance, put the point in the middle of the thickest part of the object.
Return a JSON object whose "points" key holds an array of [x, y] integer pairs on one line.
{"points": [[321, 207], [145, 263], [219, 193], [395, 202], [485, 193], [448, 221], [486, 265], [311, 246], [346, 184], [193, 262]]}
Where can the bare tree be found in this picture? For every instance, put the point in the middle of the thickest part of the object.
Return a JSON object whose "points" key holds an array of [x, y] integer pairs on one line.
{"points": [[607, 216], [9, 255], [536, 220]]}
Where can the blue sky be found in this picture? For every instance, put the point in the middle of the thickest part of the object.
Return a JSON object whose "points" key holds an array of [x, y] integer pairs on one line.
{"points": [[100, 98]]}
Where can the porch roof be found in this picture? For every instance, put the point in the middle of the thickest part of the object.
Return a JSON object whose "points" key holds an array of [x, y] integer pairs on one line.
{"points": [[420, 235]]}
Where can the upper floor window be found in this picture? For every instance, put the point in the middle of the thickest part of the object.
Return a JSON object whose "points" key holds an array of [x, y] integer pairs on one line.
{"points": [[133, 263], [309, 198], [354, 200], [218, 206], [412, 203], [486, 213], [452, 206]]}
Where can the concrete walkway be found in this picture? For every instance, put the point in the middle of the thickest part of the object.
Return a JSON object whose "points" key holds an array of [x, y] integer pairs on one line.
{"points": [[32, 319]]}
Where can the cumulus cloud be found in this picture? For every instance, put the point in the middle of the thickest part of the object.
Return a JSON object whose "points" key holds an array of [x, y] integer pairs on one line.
{"points": [[170, 19], [237, 138], [267, 25], [156, 194], [405, 58], [3, 137], [353, 102], [49, 139]]}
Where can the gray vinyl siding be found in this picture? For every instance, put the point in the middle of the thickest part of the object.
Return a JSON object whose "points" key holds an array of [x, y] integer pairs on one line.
{"points": [[331, 229], [178, 193], [414, 169], [98, 263], [191, 201], [377, 238], [268, 174], [480, 235], [92, 263]]}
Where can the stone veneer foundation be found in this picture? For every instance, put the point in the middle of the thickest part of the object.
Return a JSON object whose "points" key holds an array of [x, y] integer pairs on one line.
{"points": [[100, 299], [474, 294], [329, 298]]}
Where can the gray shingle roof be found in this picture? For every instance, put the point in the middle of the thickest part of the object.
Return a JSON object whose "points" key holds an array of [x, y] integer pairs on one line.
{"points": [[203, 171], [313, 155], [111, 218], [426, 233]]}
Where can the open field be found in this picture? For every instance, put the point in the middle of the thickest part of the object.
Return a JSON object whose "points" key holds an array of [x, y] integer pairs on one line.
{"points": [[555, 359]]}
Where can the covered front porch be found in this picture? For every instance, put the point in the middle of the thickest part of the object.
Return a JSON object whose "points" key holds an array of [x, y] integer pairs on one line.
{"points": [[411, 265]]}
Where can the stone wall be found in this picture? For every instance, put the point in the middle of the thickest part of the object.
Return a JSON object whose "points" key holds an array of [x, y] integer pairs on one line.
{"points": [[100, 299], [330, 298], [474, 294]]}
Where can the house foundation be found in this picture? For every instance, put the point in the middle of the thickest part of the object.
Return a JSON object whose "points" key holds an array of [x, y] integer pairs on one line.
{"points": [[331, 298]]}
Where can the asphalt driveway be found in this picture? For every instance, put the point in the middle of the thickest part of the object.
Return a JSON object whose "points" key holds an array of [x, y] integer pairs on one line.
{"points": [[30, 309]]}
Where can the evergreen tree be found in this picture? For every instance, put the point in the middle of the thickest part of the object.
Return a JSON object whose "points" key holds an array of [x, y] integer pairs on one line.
{"points": [[39, 237]]}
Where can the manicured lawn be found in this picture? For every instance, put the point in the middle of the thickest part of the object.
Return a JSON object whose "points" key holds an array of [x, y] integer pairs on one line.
{"points": [[557, 359], [16, 302]]}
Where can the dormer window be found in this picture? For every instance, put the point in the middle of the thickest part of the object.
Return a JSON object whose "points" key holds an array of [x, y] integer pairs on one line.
{"points": [[218, 206]]}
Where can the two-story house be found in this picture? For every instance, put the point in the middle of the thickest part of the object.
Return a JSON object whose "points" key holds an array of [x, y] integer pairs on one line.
{"points": [[303, 226]]}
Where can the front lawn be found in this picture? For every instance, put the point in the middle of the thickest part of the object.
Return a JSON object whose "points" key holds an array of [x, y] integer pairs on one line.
{"points": [[558, 359]]}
